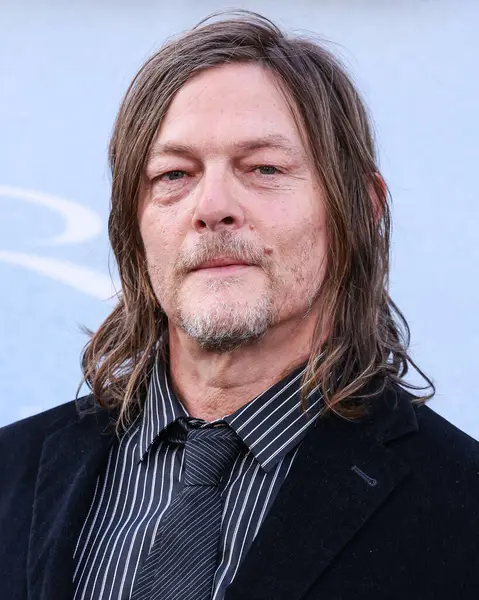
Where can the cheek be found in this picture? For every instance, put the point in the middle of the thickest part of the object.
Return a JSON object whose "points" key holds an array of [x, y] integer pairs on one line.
{"points": [[160, 244], [296, 233], [159, 234]]}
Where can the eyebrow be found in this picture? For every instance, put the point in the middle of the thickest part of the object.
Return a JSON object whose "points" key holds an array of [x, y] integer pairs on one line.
{"points": [[276, 141]]}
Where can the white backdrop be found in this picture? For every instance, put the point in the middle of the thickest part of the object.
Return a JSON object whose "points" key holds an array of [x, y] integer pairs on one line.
{"points": [[64, 67]]}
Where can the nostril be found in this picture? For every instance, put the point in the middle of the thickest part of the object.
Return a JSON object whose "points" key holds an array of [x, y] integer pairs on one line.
{"points": [[228, 220]]}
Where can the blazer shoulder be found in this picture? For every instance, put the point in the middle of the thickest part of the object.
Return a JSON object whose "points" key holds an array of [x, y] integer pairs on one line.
{"points": [[445, 434], [33, 430], [446, 450], [429, 428]]}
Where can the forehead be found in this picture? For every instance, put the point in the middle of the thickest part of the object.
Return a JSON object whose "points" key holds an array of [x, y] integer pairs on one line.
{"points": [[230, 104]]}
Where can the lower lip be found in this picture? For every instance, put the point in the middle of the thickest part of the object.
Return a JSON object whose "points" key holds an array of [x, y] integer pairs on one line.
{"points": [[226, 270]]}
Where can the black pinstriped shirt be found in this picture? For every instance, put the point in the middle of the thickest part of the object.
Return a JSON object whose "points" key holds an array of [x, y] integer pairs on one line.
{"points": [[144, 473]]}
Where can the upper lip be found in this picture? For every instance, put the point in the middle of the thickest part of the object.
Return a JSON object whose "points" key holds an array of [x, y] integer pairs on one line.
{"points": [[221, 262]]}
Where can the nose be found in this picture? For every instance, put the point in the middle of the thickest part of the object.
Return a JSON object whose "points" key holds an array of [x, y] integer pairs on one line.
{"points": [[216, 208]]}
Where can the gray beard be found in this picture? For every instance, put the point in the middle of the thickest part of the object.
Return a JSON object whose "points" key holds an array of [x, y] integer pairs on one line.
{"points": [[221, 333]]}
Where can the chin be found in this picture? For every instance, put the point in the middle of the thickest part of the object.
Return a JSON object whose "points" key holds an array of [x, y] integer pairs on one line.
{"points": [[221, 326]]}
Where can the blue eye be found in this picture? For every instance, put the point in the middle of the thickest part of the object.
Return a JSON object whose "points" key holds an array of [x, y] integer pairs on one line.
{"points": [[267, 170], [173, 175]]}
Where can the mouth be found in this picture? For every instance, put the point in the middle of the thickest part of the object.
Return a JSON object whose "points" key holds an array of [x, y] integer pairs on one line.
{"points": [[222, 266]]}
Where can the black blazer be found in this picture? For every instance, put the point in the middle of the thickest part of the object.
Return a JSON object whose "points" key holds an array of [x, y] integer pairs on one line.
{"points": [[387, 508]]}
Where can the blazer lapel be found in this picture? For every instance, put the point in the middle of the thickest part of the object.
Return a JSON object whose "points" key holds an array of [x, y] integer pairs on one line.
{"points": [[71, 459], [341, 476]]}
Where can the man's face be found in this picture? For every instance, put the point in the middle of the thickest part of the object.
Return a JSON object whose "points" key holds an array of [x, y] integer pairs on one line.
{"points": [[228, 179]]}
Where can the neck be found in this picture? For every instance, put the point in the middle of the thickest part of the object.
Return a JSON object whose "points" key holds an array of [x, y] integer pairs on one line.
{"points": [[212, 385]]}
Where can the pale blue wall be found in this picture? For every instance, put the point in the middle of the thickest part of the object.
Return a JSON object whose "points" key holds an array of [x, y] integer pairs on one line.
{"points": [[64, 67]]}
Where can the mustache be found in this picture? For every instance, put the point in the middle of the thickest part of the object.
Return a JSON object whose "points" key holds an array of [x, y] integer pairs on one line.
{"points": [[222, 245]]}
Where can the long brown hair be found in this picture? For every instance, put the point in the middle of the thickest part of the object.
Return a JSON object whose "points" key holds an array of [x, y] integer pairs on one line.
{"points": [[367, 335]]}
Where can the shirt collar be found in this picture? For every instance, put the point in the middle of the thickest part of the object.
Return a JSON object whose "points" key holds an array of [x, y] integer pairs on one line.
{"points": [[161, 408], [270, 425], [274, 423]]}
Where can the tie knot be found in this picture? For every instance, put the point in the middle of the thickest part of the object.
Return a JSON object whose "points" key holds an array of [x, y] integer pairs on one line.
{"points": [[210, 451]]}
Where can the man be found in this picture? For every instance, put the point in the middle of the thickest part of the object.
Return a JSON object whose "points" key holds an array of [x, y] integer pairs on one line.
{"points": [[246, 436]]}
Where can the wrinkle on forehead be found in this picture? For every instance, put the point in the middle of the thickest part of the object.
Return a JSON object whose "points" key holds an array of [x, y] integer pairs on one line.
{"points": [[273, 140], [226, 98]]}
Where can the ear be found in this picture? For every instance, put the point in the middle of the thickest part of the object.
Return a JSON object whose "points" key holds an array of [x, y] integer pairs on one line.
{"points": [[378, 192]]}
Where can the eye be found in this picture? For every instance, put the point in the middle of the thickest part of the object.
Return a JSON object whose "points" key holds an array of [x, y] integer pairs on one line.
{"points": [[267, 170], [172, 175]]}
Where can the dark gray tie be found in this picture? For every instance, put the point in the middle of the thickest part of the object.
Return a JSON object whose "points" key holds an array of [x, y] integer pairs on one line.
{"points": [[183, 559]]}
